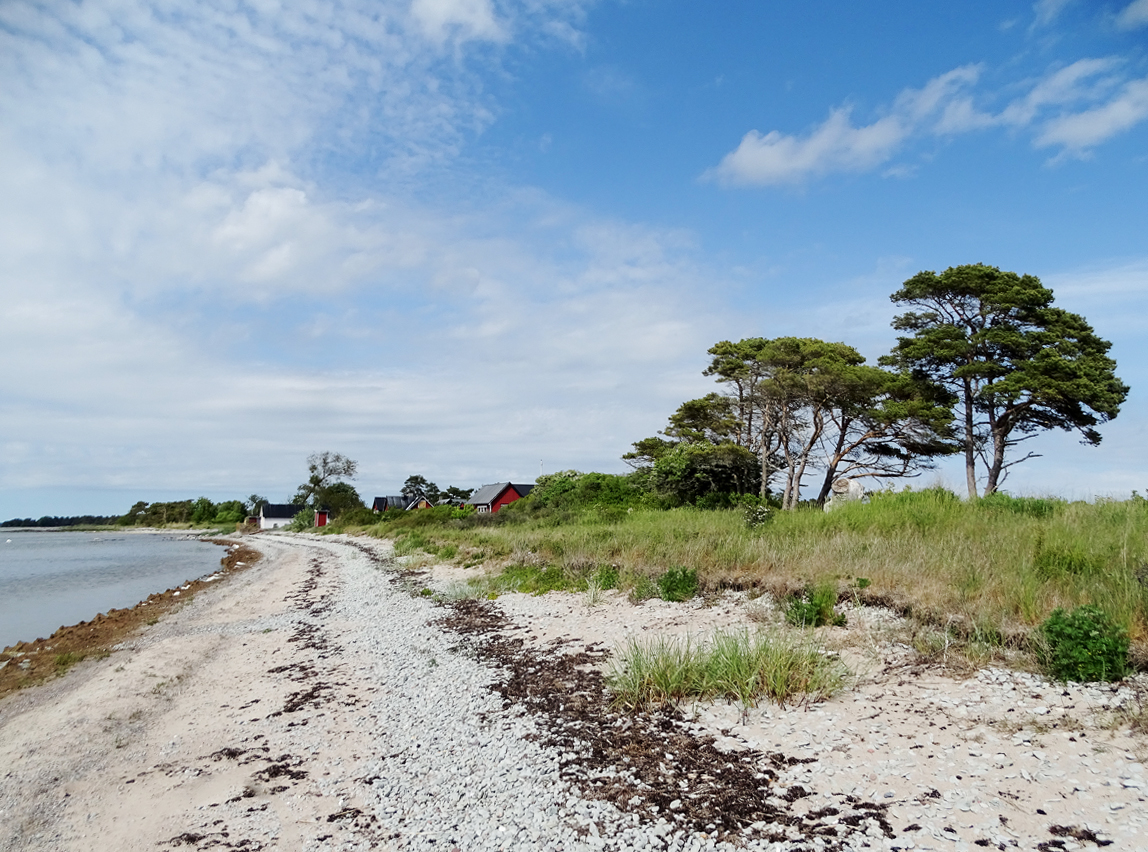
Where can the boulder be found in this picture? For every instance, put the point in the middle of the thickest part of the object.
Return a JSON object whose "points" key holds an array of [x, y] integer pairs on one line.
{"points": [[844, 490]]}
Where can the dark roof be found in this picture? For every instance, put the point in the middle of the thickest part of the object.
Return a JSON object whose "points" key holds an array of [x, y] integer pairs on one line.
{"points": [[489, 493], [280, 510]]}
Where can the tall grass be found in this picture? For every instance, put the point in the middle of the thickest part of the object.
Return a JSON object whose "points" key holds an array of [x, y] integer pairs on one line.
{"points": [[735, 664], [994, 567]]}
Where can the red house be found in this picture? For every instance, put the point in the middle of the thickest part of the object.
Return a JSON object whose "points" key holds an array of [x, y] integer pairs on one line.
{"points": [[322, 517], [491, 498]]}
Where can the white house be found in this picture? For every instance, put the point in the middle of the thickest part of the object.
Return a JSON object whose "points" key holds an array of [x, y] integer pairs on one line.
{"points": [[275, 515]]}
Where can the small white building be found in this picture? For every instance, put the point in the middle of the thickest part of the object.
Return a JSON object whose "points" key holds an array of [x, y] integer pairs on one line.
{"points": [[275, 515]]}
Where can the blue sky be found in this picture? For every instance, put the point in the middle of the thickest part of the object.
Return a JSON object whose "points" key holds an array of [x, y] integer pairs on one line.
{"points": [[473, 239]]}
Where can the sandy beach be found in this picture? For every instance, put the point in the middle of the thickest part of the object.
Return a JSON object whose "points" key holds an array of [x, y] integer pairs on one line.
{"points": [[317, 701]]}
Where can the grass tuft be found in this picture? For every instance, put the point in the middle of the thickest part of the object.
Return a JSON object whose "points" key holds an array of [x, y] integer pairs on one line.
{"points": [[65, 661], [738, 665]]}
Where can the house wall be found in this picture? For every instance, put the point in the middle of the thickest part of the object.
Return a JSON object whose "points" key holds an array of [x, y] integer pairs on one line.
{"points": [[504, 499], [273, 523]]}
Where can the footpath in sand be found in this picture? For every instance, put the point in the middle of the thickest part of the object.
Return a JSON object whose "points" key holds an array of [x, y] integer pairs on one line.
{"points": [[318, 701]]}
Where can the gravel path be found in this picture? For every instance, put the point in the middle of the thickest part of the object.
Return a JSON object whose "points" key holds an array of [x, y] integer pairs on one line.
{"points": [[317, 701]]}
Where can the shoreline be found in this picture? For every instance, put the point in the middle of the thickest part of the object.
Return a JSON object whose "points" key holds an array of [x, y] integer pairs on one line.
{"points": [[28, 663]]}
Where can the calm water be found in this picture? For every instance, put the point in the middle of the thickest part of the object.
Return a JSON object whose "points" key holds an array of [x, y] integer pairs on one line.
{"points": [[48, 579]]}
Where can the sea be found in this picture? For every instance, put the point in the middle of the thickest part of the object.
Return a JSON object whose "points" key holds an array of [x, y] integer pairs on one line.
{"points": [[52, 579]]}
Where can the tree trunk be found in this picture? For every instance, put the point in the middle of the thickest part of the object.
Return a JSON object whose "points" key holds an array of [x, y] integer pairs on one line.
{"points": [[970, 452], [1000, 438], [834, 460]]}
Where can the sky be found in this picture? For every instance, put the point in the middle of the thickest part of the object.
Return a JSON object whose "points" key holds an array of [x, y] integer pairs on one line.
{"points": [[474, 240]]}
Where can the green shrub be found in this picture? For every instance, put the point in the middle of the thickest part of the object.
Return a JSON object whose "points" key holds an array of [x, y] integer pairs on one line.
{"points": [[814, 608], [304, 520], [757, 516], [360, 516], [678, 584], [1083, 645]]}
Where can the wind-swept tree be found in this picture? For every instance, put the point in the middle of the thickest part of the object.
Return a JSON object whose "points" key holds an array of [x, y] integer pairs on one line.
{"points": [[1014, 364], [815, 405], [797, 405], [884, 425], [324, 469]]}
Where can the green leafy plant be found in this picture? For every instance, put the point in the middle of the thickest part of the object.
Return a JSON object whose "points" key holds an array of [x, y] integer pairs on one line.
{"points": [[678, 584], [304, 520], [1083, 645], [814, 608]]}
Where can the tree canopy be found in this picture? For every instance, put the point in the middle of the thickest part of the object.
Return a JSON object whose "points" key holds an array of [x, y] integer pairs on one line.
{"points": [[325, 486], [1011, 363], [789, 406]]}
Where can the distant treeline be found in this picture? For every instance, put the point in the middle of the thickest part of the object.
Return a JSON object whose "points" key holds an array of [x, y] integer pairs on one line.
{"points": [[52, 521], [200, 511]]}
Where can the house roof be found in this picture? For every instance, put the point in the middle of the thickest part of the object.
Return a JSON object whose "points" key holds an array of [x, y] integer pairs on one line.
{"points": [[489, 493], [396, 501], [279, 510]]}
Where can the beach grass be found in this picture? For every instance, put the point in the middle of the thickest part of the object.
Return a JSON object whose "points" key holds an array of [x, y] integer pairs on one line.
{"points": [[990, 569], [737, 665]]}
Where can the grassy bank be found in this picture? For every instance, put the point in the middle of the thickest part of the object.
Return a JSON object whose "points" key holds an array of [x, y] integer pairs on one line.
{"points": [[992, 568]]}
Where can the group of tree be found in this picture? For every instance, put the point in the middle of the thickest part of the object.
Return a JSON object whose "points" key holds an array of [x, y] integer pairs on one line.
{"points": [[420, 486], [200, 511], [986, 362], [56, 521]]}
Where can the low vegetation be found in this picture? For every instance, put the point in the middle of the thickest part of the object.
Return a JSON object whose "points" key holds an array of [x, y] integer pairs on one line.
{"points": [[1083, 645], [988, 572], [737, 665]]}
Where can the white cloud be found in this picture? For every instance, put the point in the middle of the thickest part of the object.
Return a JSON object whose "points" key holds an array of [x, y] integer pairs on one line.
{"points": [[945, 106], [1047, 11], [837, 145], [1134, 15], [1069, 85], [1078, 132], [461, 19]]}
